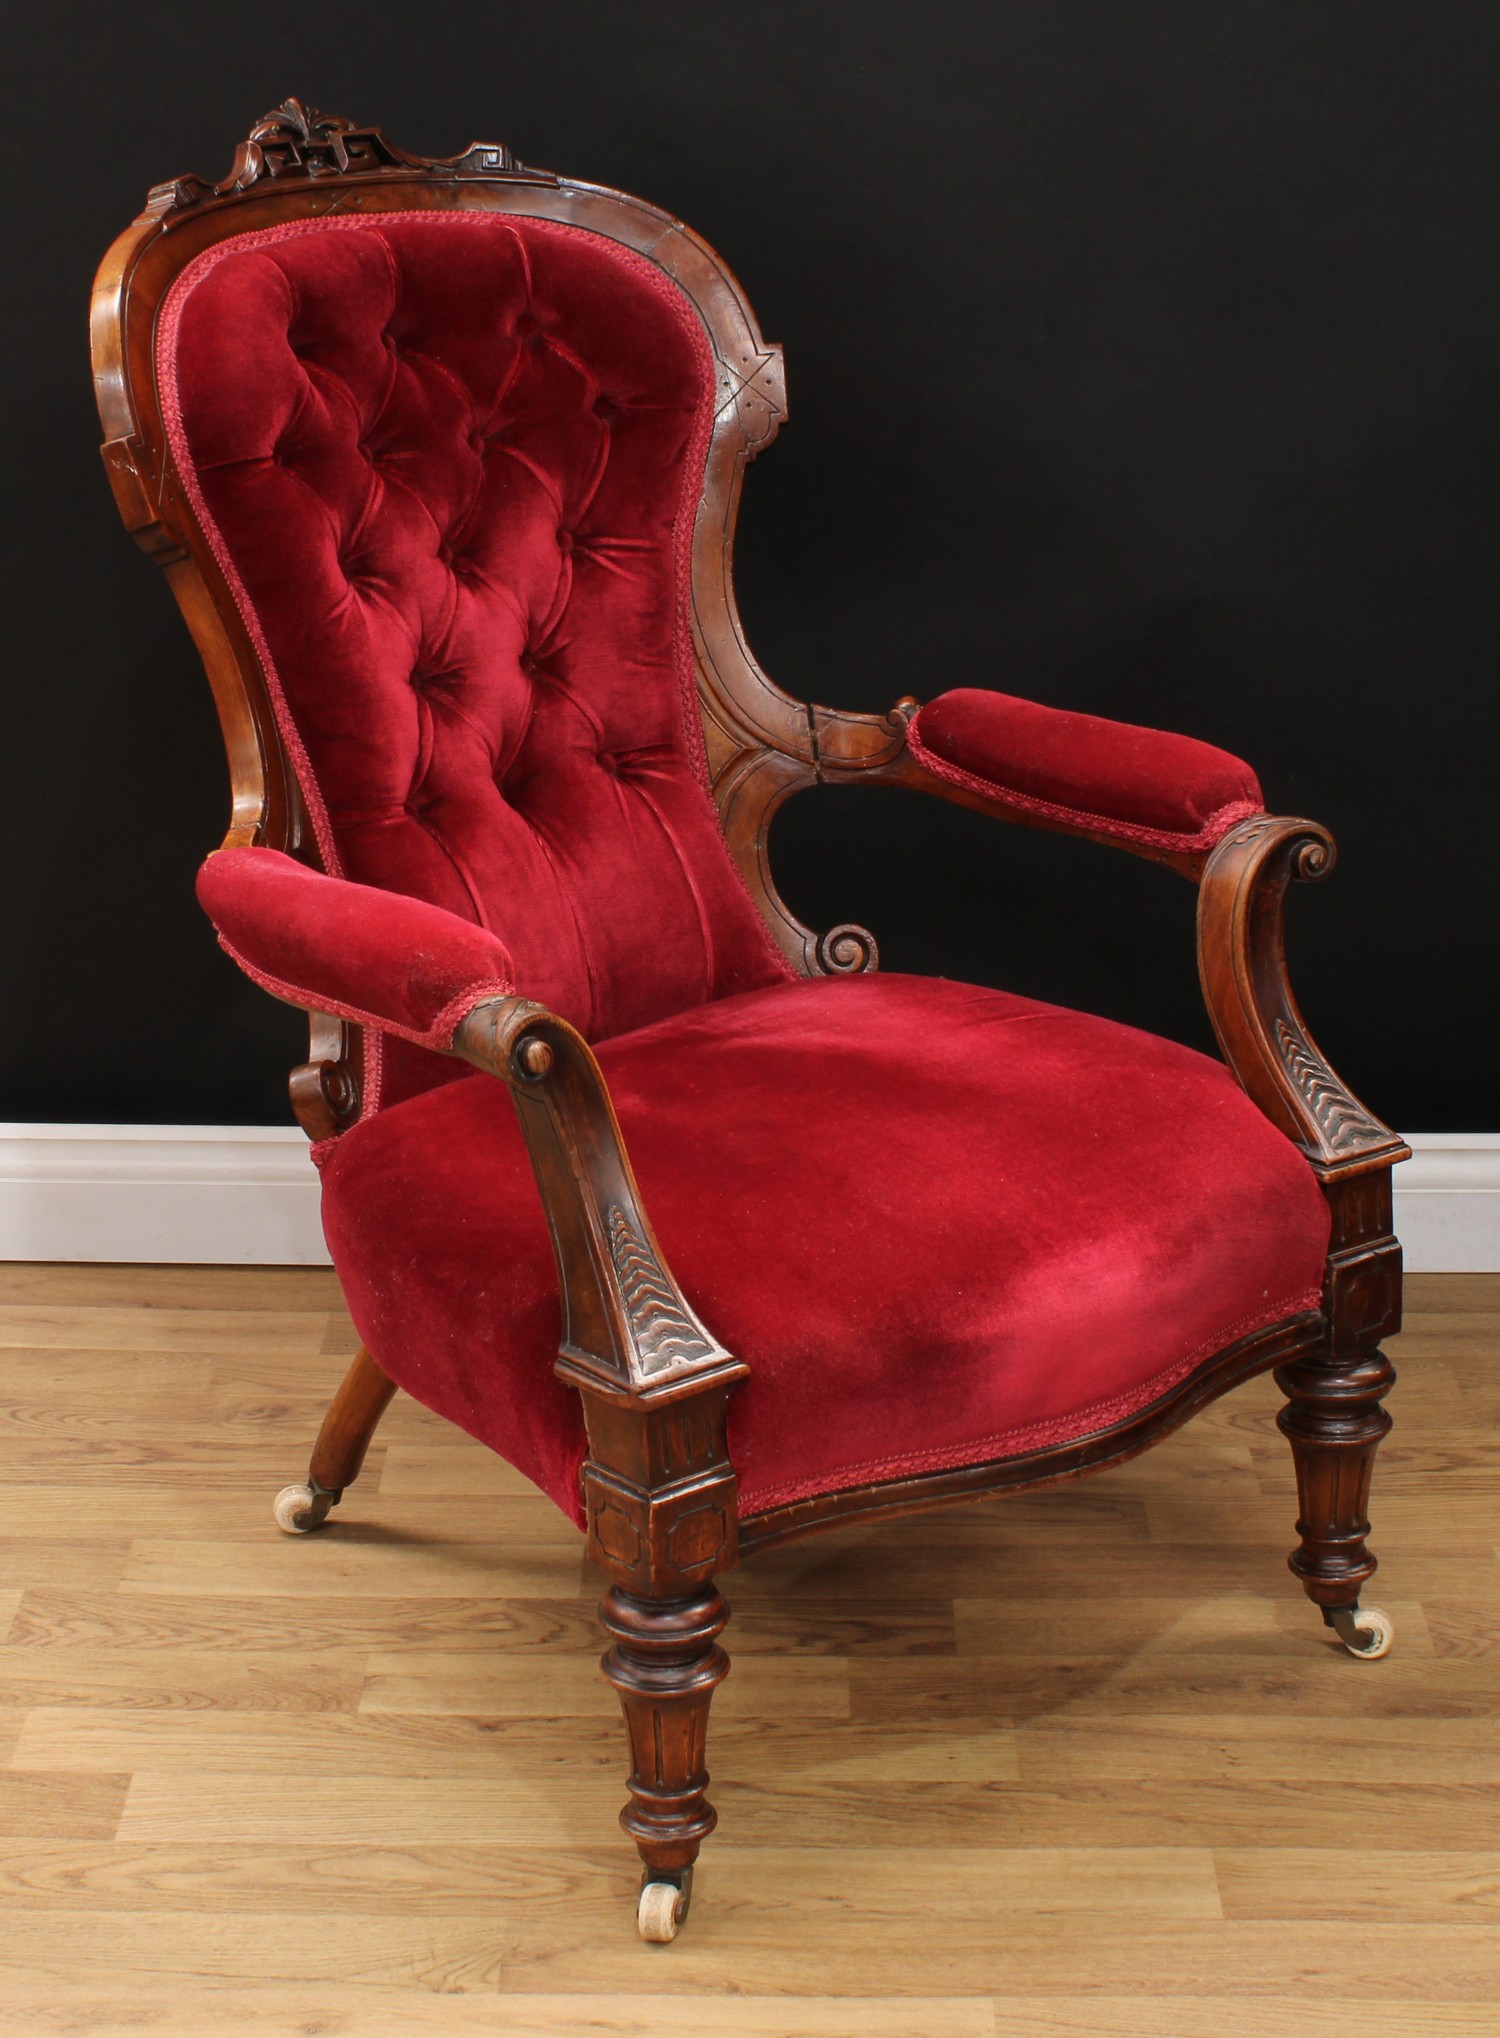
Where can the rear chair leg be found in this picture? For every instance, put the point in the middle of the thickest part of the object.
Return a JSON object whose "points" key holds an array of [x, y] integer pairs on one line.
{"points": [[340, 1450]]}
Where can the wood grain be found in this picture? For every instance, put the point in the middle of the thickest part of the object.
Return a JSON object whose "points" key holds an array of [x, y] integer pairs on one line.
{"points": [[64, 2012], [1022, 1769]]}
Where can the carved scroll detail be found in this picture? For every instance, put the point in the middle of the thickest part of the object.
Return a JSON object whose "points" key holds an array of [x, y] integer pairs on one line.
{"points": [[847, 951], [1340, 1118], [665, 1336], [295, 143]]}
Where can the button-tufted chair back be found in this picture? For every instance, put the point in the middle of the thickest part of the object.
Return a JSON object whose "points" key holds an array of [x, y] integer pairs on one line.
{"points": [[449, 464]]}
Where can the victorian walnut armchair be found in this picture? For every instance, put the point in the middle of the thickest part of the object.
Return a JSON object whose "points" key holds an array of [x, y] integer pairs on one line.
{"points": [[442, 460]]}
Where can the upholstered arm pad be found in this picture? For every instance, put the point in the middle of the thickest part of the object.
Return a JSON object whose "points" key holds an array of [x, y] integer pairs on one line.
{"points": [[368, 955], [1080, 771]]}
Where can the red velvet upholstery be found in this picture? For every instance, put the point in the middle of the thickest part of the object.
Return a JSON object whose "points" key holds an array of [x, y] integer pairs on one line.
{"points": [[377, 957], [868, 1187], [1111, 778], [449, 463]]}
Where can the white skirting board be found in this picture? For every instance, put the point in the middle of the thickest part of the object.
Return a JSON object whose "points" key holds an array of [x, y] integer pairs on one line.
{"points": [[247, 1195], [210, 1195]]}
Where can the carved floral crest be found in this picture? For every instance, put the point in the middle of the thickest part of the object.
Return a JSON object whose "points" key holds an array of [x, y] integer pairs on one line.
{"points": [[294, 142]]}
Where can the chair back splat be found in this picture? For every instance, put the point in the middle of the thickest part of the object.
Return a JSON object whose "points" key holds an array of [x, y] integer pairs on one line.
{"points": [[443, 459]]}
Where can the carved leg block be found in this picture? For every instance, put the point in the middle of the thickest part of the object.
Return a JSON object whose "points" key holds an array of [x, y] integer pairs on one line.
{"points": [[1334, 1422], [665, 1662]]}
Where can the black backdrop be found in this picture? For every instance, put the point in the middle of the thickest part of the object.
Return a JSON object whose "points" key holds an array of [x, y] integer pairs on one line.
{"points": [[1141, 359]]}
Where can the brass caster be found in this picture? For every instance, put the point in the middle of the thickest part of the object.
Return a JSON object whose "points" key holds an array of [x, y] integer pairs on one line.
{"points": [[1365, 1631], [300, 1509], [663, 1906]]}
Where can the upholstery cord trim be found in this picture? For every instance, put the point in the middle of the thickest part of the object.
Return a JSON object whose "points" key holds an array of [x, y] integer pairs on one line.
{"points": [[438, 1035]]}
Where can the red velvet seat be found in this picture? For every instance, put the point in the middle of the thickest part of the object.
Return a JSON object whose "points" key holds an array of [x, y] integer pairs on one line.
{"points": [[943, 1224]]}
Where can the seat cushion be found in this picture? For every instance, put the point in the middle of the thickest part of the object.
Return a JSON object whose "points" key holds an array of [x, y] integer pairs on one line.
{"points": [[942, 1224]]}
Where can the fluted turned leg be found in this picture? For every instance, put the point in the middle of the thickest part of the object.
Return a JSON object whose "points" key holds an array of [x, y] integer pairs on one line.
{"points": [[1334, 1422], [665, 1662], [351, 1421]]}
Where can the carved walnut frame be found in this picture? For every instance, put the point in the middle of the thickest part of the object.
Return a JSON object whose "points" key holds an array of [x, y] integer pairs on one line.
{"points": [[660, 1489]]}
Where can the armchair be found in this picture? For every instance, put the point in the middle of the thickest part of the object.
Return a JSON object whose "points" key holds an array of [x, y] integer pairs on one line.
{"points": [[717, 1233]]}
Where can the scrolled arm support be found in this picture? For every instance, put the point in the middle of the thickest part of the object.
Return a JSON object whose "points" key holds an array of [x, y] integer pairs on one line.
{"points": [[627, 1327], [1242, 967], [659, 1490]]}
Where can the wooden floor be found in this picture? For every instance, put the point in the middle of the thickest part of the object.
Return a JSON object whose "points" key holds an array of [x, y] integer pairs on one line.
{"points": [[1078, 1762]]}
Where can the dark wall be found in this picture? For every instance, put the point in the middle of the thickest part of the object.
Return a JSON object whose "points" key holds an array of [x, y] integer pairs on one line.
{"points": [[1142, 359]]}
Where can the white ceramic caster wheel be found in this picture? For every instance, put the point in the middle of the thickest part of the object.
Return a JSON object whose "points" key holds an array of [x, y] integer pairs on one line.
{"points": [[1376, 1633], [1366, 1632], [660, 1911], [299, 1510]]}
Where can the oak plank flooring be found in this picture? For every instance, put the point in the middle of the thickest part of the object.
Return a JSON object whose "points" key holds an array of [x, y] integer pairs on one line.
{"points": [[64, 2012], [274, 2012], [1080, 1762]]}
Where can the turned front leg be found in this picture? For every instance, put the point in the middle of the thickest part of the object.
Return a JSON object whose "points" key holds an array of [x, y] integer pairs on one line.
{"points": [[659, 1495], [665, 1662], [1334, 1422]]}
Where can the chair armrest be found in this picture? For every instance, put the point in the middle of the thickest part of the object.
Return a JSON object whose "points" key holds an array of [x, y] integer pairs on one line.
{"points": [[411, 968], [1184, 804], [1142, 788], [368, 955]]}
